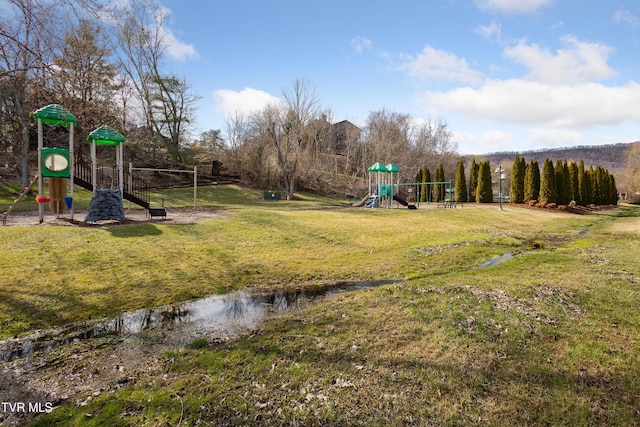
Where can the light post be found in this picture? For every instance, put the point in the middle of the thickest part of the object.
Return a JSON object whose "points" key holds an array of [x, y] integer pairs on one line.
{"points": [[500, 173]]}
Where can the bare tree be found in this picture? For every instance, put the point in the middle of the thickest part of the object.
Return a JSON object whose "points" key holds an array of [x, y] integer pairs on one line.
{"points": [[166, 102], [297, 137], [237, 130], [285, 126], [31, 33], [400, 139], [27, 41], [354, 164], [247, 151], [316, 165], [85, 80], [387, 136], [257, 161], [125, 97], [140, 49], [173, 110], [432, 144]]}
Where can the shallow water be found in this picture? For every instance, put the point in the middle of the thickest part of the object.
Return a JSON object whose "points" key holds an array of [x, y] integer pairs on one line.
{"points": [[496, 261], [227, 314]]}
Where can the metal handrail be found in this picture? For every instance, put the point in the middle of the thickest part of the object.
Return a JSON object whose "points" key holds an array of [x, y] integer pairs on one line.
{"points": [[107, 177]]}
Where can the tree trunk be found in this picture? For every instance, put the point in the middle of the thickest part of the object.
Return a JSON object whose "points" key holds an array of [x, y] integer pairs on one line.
{"points": [[289, 182], [24, 143], [24, 157]]}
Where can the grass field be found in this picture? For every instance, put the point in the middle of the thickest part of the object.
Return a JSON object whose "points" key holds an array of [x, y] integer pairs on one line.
{"points": [[550, 337]]}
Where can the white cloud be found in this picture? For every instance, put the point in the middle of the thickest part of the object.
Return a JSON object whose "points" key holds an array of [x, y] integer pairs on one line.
{"points": [[438, 64], [513, 6], [577, 106], [623, 16], [360, 44], [489, 31], [551, 137], [578, 62], [244, 102], [487, 142], [177, 49]]}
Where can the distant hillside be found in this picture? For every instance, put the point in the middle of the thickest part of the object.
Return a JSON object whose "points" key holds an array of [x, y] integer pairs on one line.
{"points": [[611, 157]]}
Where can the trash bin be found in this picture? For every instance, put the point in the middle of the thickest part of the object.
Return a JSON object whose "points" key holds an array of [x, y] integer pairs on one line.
{"points": [[271, 195]]}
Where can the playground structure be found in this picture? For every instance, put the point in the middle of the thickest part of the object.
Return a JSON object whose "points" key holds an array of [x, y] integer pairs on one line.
{"points": [[63, 168], [385, 188], [55, 163], [106, 204]]}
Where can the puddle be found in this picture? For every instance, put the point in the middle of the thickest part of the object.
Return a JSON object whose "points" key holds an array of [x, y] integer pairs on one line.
{"points": [[227, 314], [496, 261]]}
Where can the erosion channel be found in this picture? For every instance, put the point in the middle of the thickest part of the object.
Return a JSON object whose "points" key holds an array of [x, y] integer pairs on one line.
{"points": [[79, 362]]}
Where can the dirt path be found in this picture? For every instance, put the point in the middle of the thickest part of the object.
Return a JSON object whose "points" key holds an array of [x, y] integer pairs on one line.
{"points": [[134, 216]]}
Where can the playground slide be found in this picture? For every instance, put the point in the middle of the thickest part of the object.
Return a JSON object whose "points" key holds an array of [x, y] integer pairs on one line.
{"points": [[400, 200], [361, 202]]}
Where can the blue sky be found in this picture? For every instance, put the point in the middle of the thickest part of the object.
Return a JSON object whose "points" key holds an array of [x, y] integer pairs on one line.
{"points": [[505, 75]]}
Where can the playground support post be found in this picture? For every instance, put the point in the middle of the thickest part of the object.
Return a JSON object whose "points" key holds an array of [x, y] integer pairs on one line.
{"points": [[130, 179], [195, 186], [94, 167], [500, 173], [40, 186], [119, 159], [71, 168]]}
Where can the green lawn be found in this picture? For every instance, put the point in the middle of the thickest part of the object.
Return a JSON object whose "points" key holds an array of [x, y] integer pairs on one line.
{"points": [[548, 338]]}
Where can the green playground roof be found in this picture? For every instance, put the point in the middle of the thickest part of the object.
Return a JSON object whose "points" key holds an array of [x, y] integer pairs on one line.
{"points": [[378, 167], [54, 114], [106, 135], [392, 168]]}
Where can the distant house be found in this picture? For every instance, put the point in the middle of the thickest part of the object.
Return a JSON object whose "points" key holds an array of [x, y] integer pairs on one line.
{"points": [[339, 135]]}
